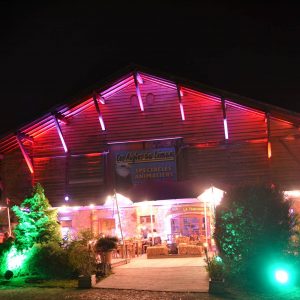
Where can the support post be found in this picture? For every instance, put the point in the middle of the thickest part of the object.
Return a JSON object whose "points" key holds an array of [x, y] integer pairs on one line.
{"points": [[59, 131], [95, 99], [25, 154], [121, 230], [151, 218]]}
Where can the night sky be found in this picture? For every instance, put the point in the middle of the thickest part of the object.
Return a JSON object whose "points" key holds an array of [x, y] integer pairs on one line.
{"points": [[50, 52]]}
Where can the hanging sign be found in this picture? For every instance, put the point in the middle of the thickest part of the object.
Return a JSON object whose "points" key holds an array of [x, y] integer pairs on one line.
{"points": [[146, 165]]}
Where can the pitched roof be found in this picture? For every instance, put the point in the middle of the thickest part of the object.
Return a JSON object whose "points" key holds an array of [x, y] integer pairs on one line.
{"points": [[121, 80]]}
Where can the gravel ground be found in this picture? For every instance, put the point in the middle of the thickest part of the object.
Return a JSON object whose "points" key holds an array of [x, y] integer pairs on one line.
{"points": [[96, 294], [24, 293]]}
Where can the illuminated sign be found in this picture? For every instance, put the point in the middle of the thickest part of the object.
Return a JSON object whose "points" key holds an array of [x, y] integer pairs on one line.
{"points": [[146, 165]]}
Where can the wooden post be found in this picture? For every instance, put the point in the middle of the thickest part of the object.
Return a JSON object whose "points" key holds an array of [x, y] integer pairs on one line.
{"points": [[121, 230]]}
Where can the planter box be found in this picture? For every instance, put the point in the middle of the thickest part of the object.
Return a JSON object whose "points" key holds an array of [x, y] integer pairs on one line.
{"points": [[86, 282], [216, 286]]}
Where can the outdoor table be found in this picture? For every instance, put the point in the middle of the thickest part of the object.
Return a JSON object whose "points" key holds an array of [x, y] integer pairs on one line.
{"points": [[189, 249], [153, 251]]}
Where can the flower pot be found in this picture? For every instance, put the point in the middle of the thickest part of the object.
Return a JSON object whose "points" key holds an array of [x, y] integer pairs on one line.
{"points": [[106, 257], [86, 281], [216, 286]]}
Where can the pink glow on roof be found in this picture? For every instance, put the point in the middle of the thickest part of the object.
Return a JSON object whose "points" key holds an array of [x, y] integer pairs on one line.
{"points": [[117, 87], [245, 108], [159, 81], [200, 94], [139, 78]]}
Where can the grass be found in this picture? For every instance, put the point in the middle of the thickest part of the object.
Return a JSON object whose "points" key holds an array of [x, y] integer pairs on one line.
{"points": [[37, 282]]}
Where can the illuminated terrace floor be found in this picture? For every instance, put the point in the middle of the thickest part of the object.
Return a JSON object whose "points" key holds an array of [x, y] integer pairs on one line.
{"points": [[162, 274]]}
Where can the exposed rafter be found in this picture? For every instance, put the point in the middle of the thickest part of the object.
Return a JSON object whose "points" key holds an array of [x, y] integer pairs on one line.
{"points": [[25, 154], [95, 98], [61, 118], [59, 131], [25, 137], [138, 92]]}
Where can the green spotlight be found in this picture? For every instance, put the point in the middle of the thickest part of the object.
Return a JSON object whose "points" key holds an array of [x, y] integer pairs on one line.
{"points": [[282, 276]]}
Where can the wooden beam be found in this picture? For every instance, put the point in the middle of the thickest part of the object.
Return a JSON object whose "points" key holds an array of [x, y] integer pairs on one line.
{"points": [[100, 117], [60, 134], [24, 136], [61, 118], [138, 92], [25, 154]]}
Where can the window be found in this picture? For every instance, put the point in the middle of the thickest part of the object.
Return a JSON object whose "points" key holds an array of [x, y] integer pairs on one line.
{"points": [[150, 99], [147, 219], [134, 101]]}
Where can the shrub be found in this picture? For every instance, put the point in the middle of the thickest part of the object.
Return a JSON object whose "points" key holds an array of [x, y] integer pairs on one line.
{"points": [[81, 254], [215, 268], [50, 261], [253, 226]]}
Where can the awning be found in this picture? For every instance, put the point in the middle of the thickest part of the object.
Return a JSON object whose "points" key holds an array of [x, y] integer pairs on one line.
{"points": [[163, 190]]}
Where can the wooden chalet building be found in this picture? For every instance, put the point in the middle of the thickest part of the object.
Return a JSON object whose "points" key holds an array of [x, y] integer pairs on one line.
{"points": [[153, 137]]}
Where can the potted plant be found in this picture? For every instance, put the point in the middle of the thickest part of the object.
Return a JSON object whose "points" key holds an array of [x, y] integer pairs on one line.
{"points": [[83, 261], [216, 271], [104, 246]]}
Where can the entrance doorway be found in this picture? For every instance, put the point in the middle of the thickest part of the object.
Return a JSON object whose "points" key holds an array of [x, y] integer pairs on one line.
{"points": [[192, 225]]}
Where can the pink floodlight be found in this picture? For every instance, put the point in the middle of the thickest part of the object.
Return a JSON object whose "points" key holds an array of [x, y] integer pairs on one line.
{"points": [[139, 78], [182, 111], [60, 134], [269, 150], [138, 92], [101, 123], [225, 129], [25, 155]]}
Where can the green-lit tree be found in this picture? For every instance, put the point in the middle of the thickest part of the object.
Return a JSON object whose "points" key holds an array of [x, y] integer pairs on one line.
{"points": [[37, 221], [254, 226]]}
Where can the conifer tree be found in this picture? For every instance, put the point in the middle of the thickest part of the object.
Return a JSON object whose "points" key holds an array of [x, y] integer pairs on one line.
{"points": [[37, 221]]}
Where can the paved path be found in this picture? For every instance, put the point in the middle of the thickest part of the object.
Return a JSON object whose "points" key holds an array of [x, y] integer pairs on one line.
{"points": [[163, 274]]}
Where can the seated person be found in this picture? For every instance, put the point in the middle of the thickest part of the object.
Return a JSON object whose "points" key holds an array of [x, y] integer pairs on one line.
{"points": [[156, 237]]}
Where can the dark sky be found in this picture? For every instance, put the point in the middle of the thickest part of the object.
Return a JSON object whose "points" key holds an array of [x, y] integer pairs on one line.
{"points": [[52, 51]]}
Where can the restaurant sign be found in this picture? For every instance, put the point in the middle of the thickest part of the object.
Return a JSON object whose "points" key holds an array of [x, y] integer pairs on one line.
{"points": [[147, 165]]}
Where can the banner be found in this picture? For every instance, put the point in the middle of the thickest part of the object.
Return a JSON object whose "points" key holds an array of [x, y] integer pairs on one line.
{"points": [[135, 167]]}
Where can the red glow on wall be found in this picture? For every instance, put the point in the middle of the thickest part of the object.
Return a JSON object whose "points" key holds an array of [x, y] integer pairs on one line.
{"points": [[269, 150]]}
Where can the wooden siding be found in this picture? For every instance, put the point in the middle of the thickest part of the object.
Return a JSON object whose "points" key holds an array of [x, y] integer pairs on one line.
{"points": [[16, 176], [205, 154], [50, 172], [244, 124], [203, 118], [285, 162], [83, 132], [86, 179]]}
